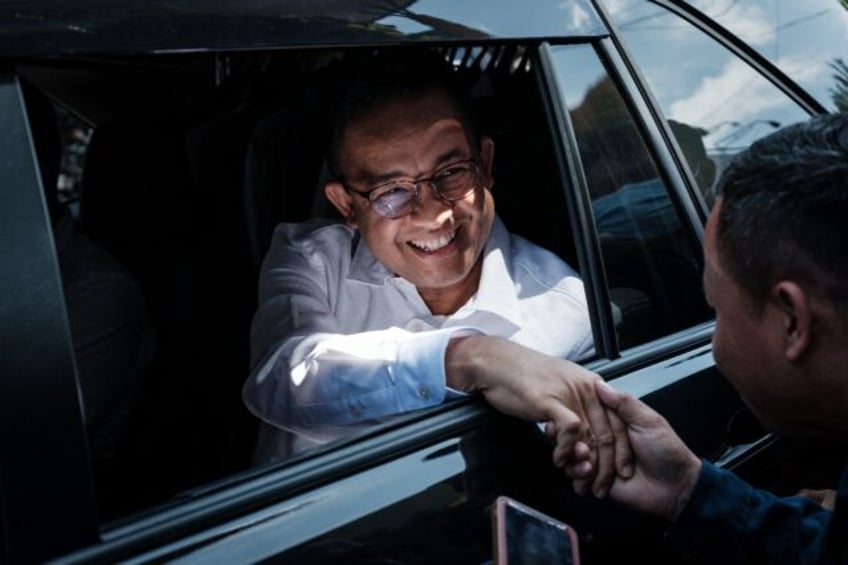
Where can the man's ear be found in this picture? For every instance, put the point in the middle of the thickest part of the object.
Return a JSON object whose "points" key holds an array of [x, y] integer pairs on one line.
{"points": [[342, 200], [796, 315], [487, 156]]}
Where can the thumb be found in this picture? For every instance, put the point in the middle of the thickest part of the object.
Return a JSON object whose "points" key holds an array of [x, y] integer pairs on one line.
{"points": [[629, 408]]}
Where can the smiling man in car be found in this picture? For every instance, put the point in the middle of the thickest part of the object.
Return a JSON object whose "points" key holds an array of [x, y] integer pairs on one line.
{"points": [[422, 294]]}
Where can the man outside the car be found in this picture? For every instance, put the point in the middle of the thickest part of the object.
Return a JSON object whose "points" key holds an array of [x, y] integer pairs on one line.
{"points": [[422, 294], [776, 274]]}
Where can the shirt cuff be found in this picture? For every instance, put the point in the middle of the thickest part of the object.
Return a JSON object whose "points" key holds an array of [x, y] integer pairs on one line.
{"points": [[421, 364]]}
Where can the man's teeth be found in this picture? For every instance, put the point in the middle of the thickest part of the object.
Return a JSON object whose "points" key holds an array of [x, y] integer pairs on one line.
{"points": [[435, 244]]}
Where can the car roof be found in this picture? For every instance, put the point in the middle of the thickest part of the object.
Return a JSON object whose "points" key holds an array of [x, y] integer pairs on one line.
{"points": [[44, 28]]}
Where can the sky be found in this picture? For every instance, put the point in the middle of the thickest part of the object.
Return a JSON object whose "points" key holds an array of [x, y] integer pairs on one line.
{"points": [[700, 83]]}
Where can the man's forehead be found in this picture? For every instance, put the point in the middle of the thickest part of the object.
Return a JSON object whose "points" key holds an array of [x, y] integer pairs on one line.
{"points": [[415, 142]]}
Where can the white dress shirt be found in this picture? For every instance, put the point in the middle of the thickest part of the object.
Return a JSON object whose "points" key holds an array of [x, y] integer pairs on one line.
{"points": [[339, 343]]}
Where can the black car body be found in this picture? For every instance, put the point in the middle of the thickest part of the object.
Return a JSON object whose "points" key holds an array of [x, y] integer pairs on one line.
{"points": [[201, 129]]}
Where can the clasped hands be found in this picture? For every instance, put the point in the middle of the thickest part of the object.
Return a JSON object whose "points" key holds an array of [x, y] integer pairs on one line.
{"points": [[608, 442], [592, 444]]}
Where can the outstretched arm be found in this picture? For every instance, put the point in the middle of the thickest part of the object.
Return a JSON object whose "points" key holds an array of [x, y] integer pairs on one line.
{"points": [[591, 442], [717, 516]]}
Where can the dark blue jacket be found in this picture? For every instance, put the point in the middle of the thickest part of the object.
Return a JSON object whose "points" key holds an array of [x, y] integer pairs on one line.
{"points": [[729, 521]]}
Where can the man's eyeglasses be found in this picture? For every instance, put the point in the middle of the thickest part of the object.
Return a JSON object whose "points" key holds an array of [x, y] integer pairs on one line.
{"points": [[396, 198]]}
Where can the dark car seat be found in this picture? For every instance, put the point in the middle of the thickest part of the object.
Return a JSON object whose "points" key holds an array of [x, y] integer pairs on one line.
{"points": [[226, 271], [135, 201], [285, 170]]}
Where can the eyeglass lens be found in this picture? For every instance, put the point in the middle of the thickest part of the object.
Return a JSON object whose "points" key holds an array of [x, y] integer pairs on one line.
{"points": [[451, 183]]}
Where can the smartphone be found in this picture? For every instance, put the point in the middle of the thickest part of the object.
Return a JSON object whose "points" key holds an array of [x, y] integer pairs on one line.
{"points": [[525, 536]]}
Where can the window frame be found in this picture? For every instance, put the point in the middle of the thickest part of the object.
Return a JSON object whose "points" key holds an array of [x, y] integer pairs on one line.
{"points": [[674, 172]]}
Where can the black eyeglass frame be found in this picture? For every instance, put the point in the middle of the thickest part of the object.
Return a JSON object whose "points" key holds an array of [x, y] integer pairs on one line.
{"points": [[432, 180]]}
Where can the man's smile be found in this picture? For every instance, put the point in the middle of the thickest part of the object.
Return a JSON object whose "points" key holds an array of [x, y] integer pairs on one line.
{"points": [[435, 244]]}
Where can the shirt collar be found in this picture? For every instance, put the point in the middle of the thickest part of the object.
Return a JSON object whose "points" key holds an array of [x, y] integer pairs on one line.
{"points": [[364, 267], [496, 293], [495, 296]]}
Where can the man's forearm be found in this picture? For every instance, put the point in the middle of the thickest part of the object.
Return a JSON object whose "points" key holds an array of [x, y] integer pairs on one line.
{"points": [[334, 379]]}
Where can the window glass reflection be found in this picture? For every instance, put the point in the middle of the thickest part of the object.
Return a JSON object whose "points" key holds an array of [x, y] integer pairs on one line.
{"points": [[704, 90], [652, 265], [807, 40]]}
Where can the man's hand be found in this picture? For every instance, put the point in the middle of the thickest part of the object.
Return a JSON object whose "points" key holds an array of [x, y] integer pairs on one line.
{"points": [[591, 442], [665, 469], [826, 498]]}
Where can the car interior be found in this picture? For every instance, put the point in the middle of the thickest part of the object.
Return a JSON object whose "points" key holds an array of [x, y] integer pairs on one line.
{"points": [[192, 160]]}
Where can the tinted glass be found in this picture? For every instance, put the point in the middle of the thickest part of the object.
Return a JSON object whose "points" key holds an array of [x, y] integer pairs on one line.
{"points": [[709, 94], [653, 267]]}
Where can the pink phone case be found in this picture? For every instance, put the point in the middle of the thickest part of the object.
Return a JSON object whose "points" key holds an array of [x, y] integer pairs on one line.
{"points": [[554, 530]]}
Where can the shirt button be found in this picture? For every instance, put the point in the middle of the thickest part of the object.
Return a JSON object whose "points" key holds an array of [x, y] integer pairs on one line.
{"points": [[424, 392]]}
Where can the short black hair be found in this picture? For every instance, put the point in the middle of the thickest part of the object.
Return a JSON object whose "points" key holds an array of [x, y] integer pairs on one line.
{"points": [[380, 77], [784, 211]]}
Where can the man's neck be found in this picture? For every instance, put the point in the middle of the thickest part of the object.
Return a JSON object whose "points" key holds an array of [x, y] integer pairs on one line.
{"points": [[446, 301]]}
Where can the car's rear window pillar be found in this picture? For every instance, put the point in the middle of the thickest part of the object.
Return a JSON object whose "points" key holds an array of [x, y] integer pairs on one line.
{"points": [[45, 485]]}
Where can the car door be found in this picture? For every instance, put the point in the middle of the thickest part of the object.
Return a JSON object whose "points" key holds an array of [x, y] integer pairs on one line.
{"points": [[420, 489]]}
